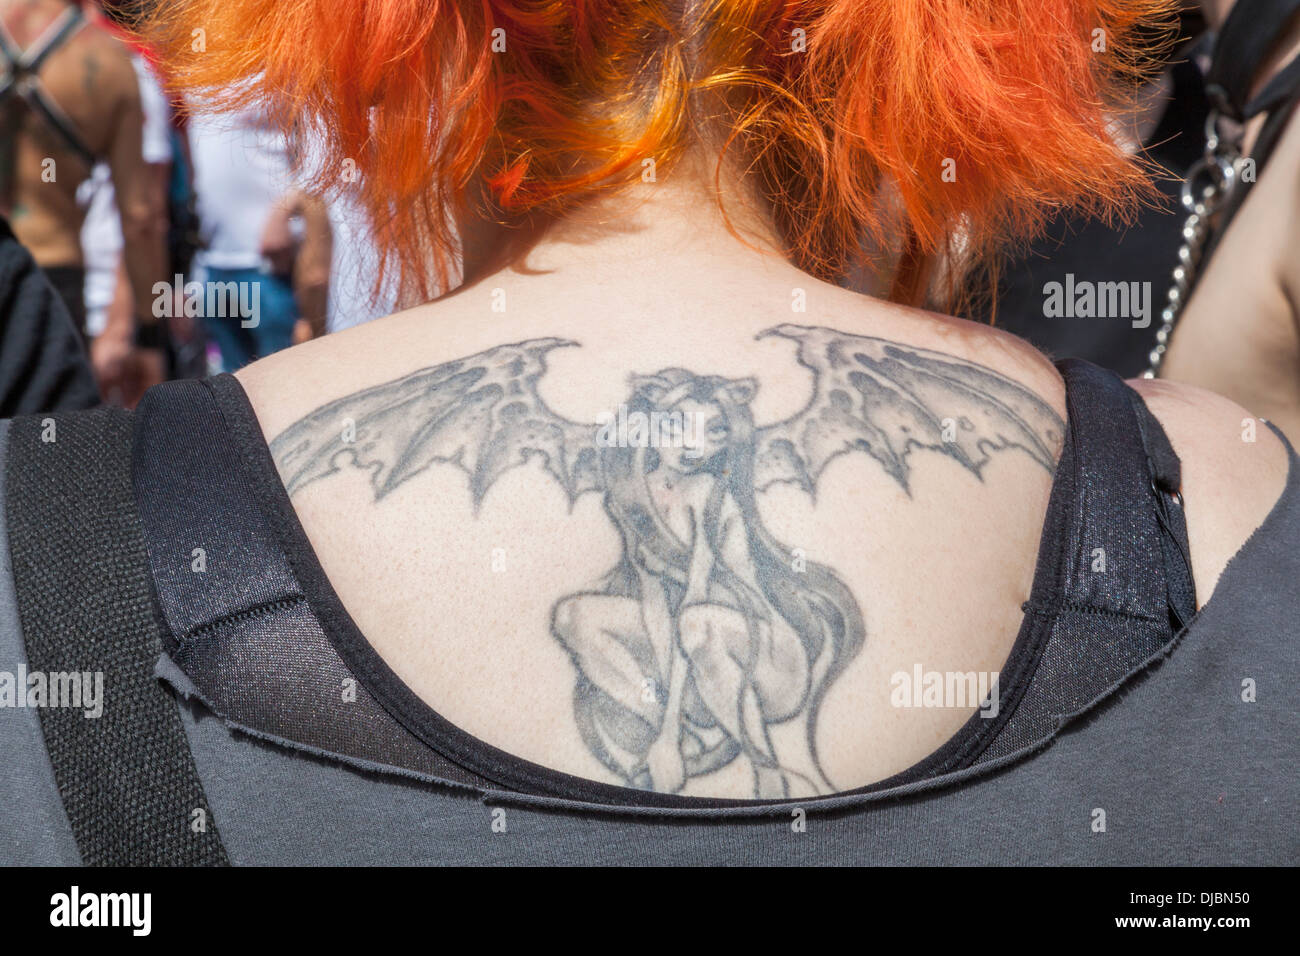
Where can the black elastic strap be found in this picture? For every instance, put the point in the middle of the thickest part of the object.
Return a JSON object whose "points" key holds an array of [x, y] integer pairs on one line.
{"points": [[1166, 485], [54, 118], [239, 620], [10, 57], [81, 574], [1102, 589]]}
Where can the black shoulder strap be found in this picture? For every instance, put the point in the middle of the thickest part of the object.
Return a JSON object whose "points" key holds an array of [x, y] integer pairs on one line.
{"points": [[239, 622], [10, 57], [21, 78], [1113, 587], [1165, 470], [81, 574]]}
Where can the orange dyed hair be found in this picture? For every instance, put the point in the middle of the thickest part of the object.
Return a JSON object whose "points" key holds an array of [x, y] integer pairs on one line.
{"points": [[840, 110]]}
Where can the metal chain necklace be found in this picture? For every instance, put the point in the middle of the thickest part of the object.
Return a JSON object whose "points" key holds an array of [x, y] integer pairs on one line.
{"points": [[1218, 169]]}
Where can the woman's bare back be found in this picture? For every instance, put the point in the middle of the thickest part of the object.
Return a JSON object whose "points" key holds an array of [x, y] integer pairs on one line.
{"points": [[896, 466]]}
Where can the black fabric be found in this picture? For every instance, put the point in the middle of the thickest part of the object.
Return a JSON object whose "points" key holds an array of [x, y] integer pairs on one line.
{"points": [[1110, 589], [69, 284], [267, 643], [21, 80], [243, 624], [1166, 487], [81, 577], [1249, 33], [43, 365]]}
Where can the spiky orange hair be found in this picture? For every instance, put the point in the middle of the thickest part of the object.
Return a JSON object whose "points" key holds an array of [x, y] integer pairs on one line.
{"points": [[978, 118]]}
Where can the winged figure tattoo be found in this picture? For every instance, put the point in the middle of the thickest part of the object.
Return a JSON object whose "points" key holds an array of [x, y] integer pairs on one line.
{"points": [[708, 632]]}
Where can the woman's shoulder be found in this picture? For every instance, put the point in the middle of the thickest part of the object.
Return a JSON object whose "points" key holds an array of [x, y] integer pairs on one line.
{"points": [[1235, 470]]}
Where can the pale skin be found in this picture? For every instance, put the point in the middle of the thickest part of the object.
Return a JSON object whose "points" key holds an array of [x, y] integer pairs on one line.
{"points": [[682, 511], [652, 278], [92, 80]]}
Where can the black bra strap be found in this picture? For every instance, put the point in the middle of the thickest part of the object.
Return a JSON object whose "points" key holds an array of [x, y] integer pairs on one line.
{"points": [[1167, 484], [1118, 466], [241, 626], [1112, 587]]}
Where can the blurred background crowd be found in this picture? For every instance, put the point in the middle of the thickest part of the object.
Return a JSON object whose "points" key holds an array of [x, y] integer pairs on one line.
{"points": [[134, 211]]}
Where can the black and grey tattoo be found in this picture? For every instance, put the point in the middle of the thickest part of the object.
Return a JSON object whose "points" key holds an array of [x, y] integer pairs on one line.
{"points": [[708, 632]]}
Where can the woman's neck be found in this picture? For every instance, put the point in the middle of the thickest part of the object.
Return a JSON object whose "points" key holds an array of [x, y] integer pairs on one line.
{"points": [[686, 216]]}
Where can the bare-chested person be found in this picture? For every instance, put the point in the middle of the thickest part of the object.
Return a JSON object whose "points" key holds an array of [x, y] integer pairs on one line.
{"points": [[59, 112]]}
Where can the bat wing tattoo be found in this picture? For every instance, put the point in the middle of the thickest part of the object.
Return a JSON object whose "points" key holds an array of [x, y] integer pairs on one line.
{"points": [[708, 632]]}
